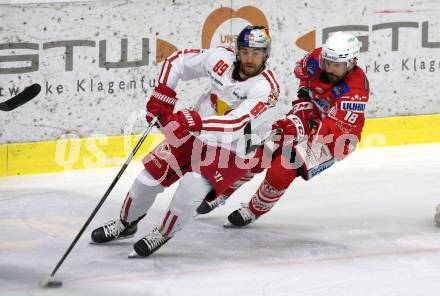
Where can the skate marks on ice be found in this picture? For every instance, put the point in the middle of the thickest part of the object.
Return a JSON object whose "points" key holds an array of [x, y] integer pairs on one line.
{"points": [[35, 222], [380, 242], [273, 259], [346, 275], [38, 214]]}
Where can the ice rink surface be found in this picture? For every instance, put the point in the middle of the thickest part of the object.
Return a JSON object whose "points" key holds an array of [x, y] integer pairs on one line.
{"points": [[364, 227]]}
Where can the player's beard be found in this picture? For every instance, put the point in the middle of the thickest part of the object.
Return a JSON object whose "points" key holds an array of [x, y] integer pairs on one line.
{"points": [[334, 78], [251, 70]]}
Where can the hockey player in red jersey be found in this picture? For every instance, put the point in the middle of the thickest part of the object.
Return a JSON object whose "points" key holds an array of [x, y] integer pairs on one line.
{"points": [[323, 126], [206, 147]]}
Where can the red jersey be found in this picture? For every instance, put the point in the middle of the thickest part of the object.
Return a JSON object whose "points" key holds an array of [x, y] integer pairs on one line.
{"points": [[342, 105]]}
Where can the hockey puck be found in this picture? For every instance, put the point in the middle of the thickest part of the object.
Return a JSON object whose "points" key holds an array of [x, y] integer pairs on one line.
{"points": [[50, 282]]}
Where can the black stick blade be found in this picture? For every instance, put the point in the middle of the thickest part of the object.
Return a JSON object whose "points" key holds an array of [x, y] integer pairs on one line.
{"points": [[50, 282], [25, 96]]}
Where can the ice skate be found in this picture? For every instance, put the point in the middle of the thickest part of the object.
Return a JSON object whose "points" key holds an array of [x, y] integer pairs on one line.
{"points": [[113, 230], [149, 244], [241, 217], [207, 206]]}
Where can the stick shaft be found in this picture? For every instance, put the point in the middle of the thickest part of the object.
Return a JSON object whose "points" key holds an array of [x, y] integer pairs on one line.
{"points": [[106, 194]]}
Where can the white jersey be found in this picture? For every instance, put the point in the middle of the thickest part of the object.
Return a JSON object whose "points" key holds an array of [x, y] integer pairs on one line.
{"points": [[236, 114]]}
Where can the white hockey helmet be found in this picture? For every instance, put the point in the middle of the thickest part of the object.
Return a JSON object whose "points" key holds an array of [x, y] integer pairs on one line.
{"points": [[340, 47]]}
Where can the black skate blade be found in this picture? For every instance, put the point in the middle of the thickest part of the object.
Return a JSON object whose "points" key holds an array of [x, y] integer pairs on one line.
{"points": [[230, 225], [134, 255], [113, 240]]}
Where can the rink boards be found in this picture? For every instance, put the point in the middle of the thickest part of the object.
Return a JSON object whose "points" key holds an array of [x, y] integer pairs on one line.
{"points": [[99, 152]]}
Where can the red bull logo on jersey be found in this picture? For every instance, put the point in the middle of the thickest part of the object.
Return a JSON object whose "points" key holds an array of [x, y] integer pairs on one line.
{"points": [[273, 97]]}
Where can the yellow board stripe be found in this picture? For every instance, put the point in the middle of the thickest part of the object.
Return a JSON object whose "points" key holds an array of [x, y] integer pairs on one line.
{"points": [[404, 130], [86, 153], [3, 160], [71, 154]]}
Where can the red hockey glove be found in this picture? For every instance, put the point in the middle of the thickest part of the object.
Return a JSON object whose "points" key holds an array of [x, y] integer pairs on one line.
{"points": [[161, 103], [304, 109], [186, 121], [292, 128]]}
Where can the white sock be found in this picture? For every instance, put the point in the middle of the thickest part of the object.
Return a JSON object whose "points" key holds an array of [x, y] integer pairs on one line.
{"points": [[191, 191], [140, 198]]}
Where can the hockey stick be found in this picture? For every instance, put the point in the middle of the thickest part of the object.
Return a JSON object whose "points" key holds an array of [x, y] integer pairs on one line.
{"points": [[274, 132], [25, 96], [51, 282]]}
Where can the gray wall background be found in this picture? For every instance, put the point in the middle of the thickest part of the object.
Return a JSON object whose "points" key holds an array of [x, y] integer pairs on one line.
{"points": [[401, 46]]}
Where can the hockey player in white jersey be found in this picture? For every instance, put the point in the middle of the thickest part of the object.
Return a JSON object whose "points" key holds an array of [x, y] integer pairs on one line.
{"points": [[208, 147]]}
